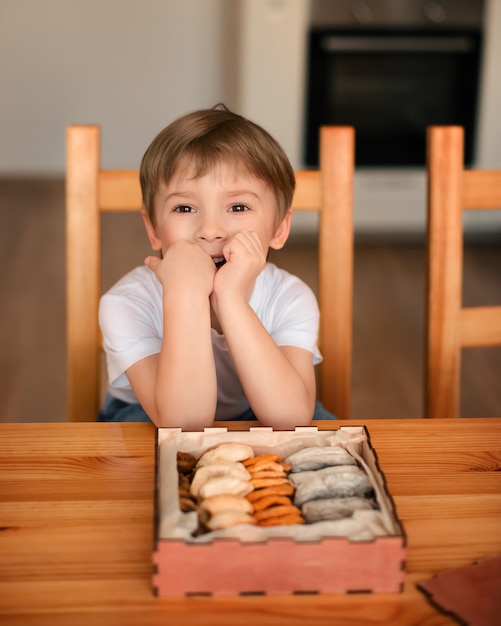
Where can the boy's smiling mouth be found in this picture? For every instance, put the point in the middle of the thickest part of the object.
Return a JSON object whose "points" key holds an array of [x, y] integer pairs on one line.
{"points": [[219, 261]]}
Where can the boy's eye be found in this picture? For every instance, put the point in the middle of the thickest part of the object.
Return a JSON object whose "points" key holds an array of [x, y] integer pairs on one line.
{"points": [[239, 208], [183, 208]]}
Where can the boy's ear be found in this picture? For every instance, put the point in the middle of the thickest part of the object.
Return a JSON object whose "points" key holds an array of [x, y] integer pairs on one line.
{"points": [[282, 232], [151, 232]]}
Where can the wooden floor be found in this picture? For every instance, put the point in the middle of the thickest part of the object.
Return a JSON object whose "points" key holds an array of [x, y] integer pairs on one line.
{"points": [[388, 310]]}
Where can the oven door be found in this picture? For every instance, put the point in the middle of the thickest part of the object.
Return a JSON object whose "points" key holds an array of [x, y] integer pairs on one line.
{"points": [[391, 85]]}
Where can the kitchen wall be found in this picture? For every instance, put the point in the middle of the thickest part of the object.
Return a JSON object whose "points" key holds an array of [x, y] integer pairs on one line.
{"points": [[134, 65], [130, 65]]}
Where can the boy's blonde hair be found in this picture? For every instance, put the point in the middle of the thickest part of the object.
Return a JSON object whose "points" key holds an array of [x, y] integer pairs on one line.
{"points": [[202, 140]]}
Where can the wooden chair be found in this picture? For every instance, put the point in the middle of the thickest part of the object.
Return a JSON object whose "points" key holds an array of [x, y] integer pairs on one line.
{"points": [[450, 327], [91, 190]]}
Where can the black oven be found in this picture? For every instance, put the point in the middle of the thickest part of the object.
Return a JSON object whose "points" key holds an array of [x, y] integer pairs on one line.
{"points": [[390, 75]]}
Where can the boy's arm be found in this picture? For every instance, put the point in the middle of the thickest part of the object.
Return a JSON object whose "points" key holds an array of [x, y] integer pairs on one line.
{"points": [[178, 386], [279, 382]]}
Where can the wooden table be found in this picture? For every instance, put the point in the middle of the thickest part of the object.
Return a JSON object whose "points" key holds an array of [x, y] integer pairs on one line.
{"points": [[76, 518]]}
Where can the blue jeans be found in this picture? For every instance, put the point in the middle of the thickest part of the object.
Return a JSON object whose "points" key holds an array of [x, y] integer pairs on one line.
{"points": [[115, 410]]}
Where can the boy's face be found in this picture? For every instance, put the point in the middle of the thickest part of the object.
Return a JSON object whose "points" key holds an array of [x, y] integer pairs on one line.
{"points": [[211, 209]]}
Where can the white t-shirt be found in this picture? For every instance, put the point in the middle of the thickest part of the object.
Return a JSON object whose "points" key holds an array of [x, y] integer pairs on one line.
{"points": [[130, 315]]}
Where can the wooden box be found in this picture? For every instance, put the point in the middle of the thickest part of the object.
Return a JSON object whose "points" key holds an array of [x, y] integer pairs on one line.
{"points": [[283, 562]]}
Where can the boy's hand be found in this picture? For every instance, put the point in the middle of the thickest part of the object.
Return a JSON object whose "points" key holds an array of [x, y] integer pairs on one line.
{"points": [[185, 266], [245, 259]]}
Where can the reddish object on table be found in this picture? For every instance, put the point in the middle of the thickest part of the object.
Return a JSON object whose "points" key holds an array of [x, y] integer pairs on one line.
{"points": [[472, 593]]}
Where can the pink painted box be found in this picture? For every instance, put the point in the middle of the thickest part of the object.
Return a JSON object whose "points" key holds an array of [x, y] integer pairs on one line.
{"points": [[296, 559]]}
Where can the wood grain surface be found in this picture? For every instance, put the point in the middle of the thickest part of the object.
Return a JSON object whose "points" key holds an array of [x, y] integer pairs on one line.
{"points": [[76, 526]]}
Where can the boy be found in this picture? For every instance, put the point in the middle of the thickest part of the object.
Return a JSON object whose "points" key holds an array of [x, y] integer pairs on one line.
{"points": [[208, 330]]}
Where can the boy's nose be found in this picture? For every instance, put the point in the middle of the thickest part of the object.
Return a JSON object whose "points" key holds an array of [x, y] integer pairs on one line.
{"points": [[210, 230]]}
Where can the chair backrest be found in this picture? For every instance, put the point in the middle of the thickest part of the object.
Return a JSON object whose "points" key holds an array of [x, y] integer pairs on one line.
{"points": [[91, 190], [450, 327]]}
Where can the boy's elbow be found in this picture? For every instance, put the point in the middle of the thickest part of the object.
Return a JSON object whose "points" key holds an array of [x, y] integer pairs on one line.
{"points": [[187, 421], [287, 418]]}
